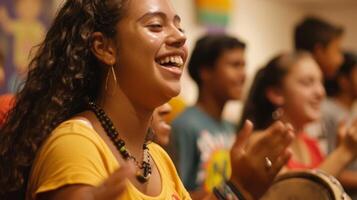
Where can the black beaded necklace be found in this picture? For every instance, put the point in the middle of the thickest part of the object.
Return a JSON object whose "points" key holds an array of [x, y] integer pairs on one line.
{"points": [[144, 172]]}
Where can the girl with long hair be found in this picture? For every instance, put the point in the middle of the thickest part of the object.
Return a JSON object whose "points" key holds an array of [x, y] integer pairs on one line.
{"points": [[289, 88]]}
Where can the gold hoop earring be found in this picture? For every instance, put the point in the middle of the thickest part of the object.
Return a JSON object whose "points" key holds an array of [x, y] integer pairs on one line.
{"points": [[107, 78]]}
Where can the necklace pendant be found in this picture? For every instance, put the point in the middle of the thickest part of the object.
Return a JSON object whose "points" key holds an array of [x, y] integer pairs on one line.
{"points": [[141, 178]]}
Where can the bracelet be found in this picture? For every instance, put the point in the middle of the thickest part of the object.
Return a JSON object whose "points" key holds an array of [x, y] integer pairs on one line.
{"points": [[224, 192], [218, 194], [235, 190]]}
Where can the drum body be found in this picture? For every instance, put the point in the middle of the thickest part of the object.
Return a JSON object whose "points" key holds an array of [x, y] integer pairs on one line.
{"points": [[306, 185]]}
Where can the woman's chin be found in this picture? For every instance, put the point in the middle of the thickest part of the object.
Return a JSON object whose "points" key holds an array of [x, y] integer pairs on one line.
{"points": [[173, 91], [313, 118]]}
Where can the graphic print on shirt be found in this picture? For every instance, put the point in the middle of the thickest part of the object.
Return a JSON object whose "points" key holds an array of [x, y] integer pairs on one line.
{"points": [[215, 160]]}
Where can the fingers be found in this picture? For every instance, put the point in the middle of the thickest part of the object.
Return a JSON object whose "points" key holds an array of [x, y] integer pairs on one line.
{"points": [[353, 129], [345, 135], [243, 135], [276, 139], [281, 161], [352, 135], [280, 130], [289, 127], [275, 132], [124, 172], [263, 157], [115, 185]]}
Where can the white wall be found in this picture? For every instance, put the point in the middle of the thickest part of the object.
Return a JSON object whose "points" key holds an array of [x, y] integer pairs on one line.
{"points": [[266, 27]]}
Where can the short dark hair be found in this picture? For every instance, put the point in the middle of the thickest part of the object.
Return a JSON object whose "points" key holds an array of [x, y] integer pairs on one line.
{"points": [[207, 51], [312, 31], [349, 63]]}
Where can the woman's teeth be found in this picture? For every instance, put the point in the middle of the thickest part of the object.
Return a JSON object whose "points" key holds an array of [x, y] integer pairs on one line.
{"points": [[175, 61]]}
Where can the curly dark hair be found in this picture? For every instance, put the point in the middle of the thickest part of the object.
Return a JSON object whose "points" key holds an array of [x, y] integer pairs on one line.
{"points": [[62, 77]]}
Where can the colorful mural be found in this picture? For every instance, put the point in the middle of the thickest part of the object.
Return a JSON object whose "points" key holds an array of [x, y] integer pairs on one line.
{"points": [[22, 27], [214, 14]]}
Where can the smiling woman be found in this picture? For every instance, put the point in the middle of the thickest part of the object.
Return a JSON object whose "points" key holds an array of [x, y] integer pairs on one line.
{"points": [[78, 129], [151, 30]]}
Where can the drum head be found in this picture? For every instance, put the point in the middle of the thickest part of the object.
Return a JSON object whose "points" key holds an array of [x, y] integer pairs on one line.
{"points": [[305, 185]]}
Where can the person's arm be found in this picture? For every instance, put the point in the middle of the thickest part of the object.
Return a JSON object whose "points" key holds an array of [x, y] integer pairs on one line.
{"points": [[111, 189], [348, 179], [337, 160], [70, 166], [70, 192]]}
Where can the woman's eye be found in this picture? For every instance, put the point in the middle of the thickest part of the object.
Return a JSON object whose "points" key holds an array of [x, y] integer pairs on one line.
{"points": [[181, 30], [155, 27], [307, 82]]}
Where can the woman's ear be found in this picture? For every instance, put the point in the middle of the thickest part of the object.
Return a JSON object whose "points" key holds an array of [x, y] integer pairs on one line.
{"points": [[275, 96], [103, 48]]}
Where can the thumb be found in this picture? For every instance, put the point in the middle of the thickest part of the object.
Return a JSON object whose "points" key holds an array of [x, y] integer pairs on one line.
{"points": [[244, 134]]}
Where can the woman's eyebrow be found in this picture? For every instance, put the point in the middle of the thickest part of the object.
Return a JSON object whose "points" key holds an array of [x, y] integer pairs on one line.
{"points": [[153, 14], [160, 14]]}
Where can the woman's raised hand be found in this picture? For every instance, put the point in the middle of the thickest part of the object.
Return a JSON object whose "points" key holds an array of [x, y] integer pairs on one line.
{"points": [[257, 158], [111, 189], [347, 138], [115, 185]]}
